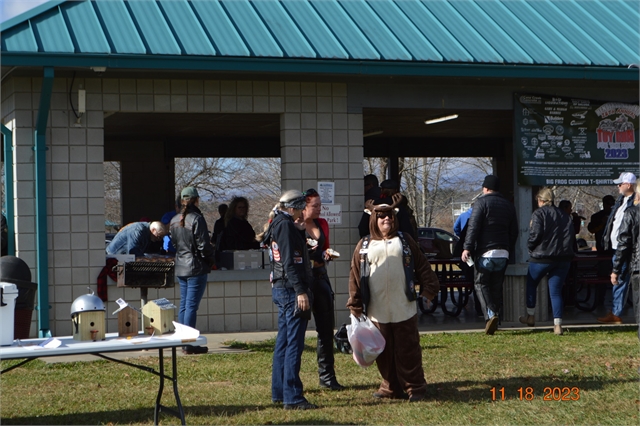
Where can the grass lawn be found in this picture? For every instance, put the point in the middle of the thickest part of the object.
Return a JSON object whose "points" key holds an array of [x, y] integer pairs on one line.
{"points": [[598, 368]]}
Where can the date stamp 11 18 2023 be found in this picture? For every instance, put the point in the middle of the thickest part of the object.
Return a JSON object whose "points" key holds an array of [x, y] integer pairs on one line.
{"points": [[549, 393]]}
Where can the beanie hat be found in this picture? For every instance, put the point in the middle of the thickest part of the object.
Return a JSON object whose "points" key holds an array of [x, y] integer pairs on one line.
{"points": [[491, 182], [389, 184]]}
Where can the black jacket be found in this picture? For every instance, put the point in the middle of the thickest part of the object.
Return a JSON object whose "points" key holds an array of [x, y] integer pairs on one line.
{"points": [[606, 236], [238, 235], [290, 264], [493, 225], [596, 227], [194, 252], [628, 242], [551, 235]]}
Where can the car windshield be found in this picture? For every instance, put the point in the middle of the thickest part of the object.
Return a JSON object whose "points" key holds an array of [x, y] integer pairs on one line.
{"points": [[444, 236]]}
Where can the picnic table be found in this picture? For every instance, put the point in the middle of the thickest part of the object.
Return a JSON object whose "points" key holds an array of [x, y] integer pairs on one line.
{"points": [[454, 285], [588, 272]]}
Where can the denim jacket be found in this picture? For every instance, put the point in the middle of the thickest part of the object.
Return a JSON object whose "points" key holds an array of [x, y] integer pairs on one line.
{"points": [[132, 239]]}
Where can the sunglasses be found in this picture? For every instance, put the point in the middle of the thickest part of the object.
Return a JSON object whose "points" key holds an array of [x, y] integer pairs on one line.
{"points": [[310, 193], [382, 215]]}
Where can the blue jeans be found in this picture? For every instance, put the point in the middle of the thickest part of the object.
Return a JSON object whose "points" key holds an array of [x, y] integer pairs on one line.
{"points": [[557, 272], [489, 278], [191, 291], [620, 291], [286, 385]]}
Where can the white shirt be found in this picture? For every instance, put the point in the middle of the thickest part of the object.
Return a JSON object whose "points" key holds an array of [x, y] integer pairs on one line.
{"points": [[617, 221], [388, 302], [496, 254]]}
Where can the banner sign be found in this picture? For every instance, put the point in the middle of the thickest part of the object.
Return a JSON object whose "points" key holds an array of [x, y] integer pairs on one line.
{"points": [[566, 141]]}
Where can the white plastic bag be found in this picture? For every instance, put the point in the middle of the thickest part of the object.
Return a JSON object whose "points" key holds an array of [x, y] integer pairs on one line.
{"points": [[365, 339]]}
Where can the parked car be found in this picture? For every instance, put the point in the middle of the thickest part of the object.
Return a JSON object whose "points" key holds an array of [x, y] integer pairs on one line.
{"points": [[436, 242]]}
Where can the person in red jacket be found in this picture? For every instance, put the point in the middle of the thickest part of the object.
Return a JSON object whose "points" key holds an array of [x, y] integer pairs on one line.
{"points": [[317, 237]]}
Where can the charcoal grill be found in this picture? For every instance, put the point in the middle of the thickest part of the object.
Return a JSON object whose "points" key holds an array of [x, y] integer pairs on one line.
{"points": [[159, 273]]}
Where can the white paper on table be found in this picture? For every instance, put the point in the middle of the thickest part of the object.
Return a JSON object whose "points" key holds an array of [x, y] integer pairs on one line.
{"points": [[50, 343], [137, 340], [184, 333]]}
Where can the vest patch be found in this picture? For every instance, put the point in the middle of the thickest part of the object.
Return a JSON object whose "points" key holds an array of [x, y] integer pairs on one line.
{"points": [[275, 251]]}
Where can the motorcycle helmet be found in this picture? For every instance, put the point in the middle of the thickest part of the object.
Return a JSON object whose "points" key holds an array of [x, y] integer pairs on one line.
{"points": [[341, 340], [87, 302]]}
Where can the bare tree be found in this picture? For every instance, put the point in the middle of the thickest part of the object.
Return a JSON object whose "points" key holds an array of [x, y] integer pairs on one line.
{"points": [[112, 196]]}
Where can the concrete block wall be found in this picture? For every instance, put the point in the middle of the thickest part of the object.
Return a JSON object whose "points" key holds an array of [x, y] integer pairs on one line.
{"points": [[320, 141]]}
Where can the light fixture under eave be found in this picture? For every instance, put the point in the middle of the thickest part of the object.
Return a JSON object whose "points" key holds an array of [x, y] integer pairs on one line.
{"points": [[441, 119], [377, 132]]}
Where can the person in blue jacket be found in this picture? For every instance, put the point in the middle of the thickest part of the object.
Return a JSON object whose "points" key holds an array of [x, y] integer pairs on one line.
{"points": [[167, 245], [461, 221], [136, 237]]}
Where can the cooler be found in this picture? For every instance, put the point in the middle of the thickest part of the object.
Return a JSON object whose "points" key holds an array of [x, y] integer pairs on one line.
{"points": [[7, 311]]}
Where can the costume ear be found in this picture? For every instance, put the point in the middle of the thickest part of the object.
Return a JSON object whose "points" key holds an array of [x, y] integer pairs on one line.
{"points": [[369, 206], [397, 199]]}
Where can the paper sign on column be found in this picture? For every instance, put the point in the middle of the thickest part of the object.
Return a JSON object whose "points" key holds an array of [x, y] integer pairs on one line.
{"points": [[327, 191]]}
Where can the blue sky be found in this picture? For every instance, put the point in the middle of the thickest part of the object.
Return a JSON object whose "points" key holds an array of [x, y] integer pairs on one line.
{"points": [[11, 8]]}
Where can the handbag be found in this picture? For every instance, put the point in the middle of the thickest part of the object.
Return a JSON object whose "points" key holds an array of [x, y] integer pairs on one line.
{"points": [[365, 339]]}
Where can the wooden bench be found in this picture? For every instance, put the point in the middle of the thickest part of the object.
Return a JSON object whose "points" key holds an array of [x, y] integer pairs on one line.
{"points": [[453, 284]]}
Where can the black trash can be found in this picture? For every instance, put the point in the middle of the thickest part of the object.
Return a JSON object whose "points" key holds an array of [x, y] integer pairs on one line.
{"points": [[15, 271]]}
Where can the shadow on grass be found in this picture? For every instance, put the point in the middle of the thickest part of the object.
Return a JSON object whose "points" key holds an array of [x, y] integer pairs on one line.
{"points": [[462, 391], [145, 416], [103, 417]]}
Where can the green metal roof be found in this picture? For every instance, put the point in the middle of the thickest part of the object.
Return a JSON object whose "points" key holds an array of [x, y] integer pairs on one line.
{"points": [[426, 37]]}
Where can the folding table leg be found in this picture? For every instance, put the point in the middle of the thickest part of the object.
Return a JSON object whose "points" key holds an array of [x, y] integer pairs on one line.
{"points": [[174, 379]]}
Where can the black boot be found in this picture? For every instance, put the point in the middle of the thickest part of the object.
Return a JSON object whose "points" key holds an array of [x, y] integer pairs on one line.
{"points": [[326, 371]]}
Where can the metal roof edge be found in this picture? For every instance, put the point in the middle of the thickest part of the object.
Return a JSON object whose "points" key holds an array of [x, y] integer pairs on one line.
{"points": [[31, 13], [322, 66]]}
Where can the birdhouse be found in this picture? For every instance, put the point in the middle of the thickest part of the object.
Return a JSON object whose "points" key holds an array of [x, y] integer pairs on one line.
{"points": [[88, 317], [128, 324], [158, 316]]}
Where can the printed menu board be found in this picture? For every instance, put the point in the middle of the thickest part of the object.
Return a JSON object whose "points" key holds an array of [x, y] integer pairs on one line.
{"points": [[567, 141]]}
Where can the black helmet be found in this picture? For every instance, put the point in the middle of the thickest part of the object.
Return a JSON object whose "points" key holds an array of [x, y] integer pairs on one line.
{"points": [[341, 340]]}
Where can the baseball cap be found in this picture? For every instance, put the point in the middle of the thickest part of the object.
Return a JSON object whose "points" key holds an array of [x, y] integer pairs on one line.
{"points": [[625, 177], [189, 192], [293, 199]]}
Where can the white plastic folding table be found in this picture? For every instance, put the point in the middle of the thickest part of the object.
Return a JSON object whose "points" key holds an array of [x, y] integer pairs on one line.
{"points": [[30, 349]]}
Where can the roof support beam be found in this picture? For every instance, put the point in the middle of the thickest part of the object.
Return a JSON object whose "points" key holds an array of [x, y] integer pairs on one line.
{"points": [[40, 149], [8, 189]]}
